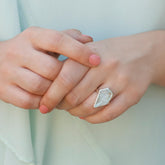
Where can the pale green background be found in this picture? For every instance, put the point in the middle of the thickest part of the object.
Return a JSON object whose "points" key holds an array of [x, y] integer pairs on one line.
{"points": [[135, 138]]}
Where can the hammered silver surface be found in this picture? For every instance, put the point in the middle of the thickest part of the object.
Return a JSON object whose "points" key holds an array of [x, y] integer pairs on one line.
{"points": [[103, 98]]}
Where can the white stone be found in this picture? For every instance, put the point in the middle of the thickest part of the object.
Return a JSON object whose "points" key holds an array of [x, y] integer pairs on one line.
{"points": [[103, 98]]}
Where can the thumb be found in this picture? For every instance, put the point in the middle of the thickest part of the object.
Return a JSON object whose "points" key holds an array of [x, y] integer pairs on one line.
{"points": [[61, 43], [77, 35]]}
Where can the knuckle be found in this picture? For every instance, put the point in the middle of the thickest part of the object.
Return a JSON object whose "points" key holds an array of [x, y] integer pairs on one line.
{"points": [[52, 69], [26, 102], [71, 99], [30, 31], [38, 86], [12, 52], [112, 63], [49, 72], [56, 39], [134, 96], [123, 78], [65, 80], [81, 48], [134, 93]]}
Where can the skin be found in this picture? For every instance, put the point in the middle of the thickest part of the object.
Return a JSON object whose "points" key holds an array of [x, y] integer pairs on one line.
{"points": [[129, 65], [27, 67]]}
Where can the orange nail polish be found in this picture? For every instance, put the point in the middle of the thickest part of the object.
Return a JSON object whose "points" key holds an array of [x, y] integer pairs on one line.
{"points": [[44, 109], [94, 60], [82, 118]]}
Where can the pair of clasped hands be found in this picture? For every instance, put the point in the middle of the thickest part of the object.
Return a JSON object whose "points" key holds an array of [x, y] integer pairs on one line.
{"points": [[32, 77]]}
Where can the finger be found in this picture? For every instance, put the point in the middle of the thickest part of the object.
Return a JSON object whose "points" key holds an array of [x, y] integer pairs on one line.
{"points": [[42, 64], [91, 81], [116, 107], [20, 98], [87, 107], [84, 89], [48, 66], [76, 34], [68, 77], [31, 82], [59, 42]]}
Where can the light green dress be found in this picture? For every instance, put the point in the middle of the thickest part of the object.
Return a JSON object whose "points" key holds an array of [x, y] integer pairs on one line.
{"points": [[135, 138]]}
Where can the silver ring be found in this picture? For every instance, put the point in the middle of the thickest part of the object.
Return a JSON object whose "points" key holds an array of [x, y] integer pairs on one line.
{"points": [[103, 98]]}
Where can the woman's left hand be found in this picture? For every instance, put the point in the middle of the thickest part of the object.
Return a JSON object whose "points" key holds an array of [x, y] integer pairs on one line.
{"points": [[129, 65]]}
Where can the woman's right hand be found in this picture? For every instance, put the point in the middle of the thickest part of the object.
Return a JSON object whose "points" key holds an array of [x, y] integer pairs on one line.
{"points": [[26, 68]]}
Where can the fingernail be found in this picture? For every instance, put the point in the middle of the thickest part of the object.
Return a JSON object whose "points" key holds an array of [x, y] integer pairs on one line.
{"points": [[87, 36], [44, 109], [82, 118], [94, 60]]}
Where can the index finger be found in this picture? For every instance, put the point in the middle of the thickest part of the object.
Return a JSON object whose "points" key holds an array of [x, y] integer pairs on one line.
{"points": [[59, 42], [68, 78]]}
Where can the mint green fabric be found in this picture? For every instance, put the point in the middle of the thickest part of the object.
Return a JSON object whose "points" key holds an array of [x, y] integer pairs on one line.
{"points": [[135, 138]]}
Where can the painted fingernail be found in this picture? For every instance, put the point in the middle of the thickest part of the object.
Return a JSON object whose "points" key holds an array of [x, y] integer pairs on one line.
{"points": [[87, 36], [44, 109], [94, 60], [82, 118]]}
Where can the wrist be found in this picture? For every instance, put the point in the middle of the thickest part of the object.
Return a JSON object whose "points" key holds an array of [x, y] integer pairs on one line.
{"points": [[157, 52]]}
